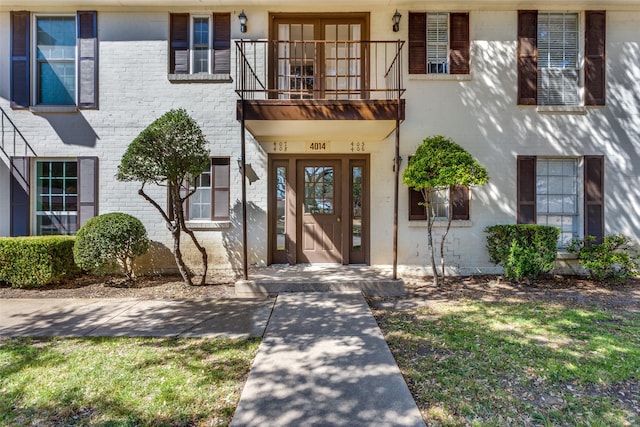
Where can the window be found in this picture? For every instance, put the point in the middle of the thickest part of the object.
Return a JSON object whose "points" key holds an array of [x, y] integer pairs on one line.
{"points": [[549, 58], [210, 202], [55, 60], [56, 197], [439, 43], [559, 191], [200, 44], [64, 71], [557, 196], [454, 202], [52, 196], [558, 59]]}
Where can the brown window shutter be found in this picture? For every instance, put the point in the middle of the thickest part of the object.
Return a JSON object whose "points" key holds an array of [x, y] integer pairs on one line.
{"points": [[220, 186], [417, 43], [19, 198], [460, 203], [417, 212], [459, 54], [20, 68], [179, 43], [221, 43], [594, 197], [595, 63], [527, 57], [87, 59], [526, 190], [87, 189]]}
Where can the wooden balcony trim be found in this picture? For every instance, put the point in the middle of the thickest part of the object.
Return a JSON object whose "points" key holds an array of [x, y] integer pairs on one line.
{"points": [[321, 109]]}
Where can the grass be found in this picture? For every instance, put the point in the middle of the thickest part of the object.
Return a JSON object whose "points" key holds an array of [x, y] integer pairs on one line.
{"points": [[122, 381], [511, 363]]}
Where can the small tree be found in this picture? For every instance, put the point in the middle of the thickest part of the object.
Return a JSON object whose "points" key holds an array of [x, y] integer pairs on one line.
{"points": [[441, 164], [170, 152]]}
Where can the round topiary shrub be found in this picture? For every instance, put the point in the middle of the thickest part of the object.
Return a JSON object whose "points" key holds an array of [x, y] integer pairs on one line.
{"points": [[109, 242]]}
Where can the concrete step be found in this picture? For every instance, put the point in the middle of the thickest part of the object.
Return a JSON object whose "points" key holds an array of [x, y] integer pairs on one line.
{"points": [[368, 287], [275, 279]]}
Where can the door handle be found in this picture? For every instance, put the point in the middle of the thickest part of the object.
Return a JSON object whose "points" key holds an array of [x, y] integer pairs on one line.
{"points": [[338, 219]]}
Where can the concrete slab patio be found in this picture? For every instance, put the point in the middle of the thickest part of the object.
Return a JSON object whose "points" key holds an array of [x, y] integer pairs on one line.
{"points": [[324, 361], [133, 317]]}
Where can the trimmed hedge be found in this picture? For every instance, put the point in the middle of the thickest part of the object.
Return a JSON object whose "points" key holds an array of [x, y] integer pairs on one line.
{"points": [[524, 250], [33, 262]]}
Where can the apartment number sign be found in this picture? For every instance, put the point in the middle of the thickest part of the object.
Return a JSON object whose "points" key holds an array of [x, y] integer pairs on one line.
{"points": [[318, 146], [279, 146], [357, 146]]}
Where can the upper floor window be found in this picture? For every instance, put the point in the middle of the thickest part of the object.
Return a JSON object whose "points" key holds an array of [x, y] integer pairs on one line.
{"points": [[558, 64], [54, 60], [200, 44], [550, 68], [439, 43]]}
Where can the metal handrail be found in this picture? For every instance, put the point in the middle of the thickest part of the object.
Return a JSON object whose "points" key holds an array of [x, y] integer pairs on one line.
{"points": [[298, 69], [16, 135]]}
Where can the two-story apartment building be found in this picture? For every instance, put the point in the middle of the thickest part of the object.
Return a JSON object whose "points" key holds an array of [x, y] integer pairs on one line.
{"points": [[323, 103]]}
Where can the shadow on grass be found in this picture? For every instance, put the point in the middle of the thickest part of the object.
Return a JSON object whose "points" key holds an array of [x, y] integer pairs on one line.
{"points": [[531, 363], [122, 381]]}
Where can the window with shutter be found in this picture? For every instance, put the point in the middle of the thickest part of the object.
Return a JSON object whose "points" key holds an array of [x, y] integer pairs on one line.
{"points": [[439, 43], [63, 70], [454, 202], [199, 45], [549, 70], [549, 194], [210, 202]]}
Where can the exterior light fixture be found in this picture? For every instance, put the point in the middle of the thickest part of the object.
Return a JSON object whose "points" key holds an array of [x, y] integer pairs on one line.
{"points": [[243, 22], [396, 21]]}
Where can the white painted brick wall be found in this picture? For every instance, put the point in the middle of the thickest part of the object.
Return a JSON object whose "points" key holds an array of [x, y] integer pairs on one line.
{"points": [[480, 114]]}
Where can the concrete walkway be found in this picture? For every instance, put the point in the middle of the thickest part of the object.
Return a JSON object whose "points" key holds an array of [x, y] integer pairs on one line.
{"points": [[324, 361], [233, 318]]}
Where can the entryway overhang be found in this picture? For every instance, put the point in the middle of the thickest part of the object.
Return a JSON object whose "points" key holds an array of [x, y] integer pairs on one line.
{"points": [[271, 120]]}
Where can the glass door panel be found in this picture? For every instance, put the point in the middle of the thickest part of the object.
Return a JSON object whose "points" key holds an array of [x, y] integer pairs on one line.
{"points": [[343, 57], [296, 61]]}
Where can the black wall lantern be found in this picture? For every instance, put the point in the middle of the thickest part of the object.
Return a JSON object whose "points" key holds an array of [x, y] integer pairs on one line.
{"points": [[396, 21], [243, 22]]}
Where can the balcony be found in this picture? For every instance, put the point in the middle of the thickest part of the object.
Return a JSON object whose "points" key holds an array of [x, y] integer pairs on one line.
{"points": [[337, 90]]}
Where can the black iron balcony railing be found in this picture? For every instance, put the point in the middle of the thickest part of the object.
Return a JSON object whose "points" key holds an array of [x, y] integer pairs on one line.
{"points": [[319, 69]]}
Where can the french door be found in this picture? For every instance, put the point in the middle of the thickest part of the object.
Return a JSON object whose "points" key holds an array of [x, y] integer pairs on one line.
{"points": [[318, 56], [318, 210]]}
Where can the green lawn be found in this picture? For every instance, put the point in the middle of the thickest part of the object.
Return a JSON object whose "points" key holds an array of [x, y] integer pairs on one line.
{"points": [[122, 381], [511, 363]]}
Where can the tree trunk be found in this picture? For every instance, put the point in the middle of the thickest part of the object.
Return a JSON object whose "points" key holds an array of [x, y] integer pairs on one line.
{"points": [[174, 227], [203, 251], [430, 219], [444, 238], [182, 267]]}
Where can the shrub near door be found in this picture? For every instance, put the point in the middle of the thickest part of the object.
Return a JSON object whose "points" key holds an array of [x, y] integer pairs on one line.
{"points": [[33, 262]]}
